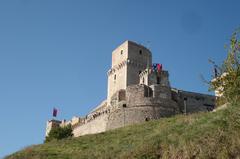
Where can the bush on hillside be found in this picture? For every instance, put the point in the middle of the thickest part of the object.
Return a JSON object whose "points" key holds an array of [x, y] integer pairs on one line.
{"points": [[59, 133]]}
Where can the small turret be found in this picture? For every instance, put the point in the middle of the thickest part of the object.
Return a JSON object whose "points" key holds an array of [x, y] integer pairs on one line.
{"points": [[150, 77]]}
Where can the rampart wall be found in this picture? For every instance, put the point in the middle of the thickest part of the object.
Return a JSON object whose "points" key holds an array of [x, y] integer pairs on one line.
{"points": [[96, 125], [195, 102]]}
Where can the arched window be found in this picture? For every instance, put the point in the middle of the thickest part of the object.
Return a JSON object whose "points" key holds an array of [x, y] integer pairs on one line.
{"points": [[115, 77]]}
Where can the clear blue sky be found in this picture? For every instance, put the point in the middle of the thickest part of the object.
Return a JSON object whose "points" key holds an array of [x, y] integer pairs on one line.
{"points": [[56, 53]]}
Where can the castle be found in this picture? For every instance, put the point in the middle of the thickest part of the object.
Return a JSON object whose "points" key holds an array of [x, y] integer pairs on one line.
{"points": [[138, 91]]}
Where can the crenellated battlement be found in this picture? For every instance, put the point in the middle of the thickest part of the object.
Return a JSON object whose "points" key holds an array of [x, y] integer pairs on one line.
{"points": [[123, 64]]}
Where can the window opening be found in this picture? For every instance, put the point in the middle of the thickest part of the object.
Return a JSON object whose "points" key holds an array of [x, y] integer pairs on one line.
{"points": [[158, 80]]}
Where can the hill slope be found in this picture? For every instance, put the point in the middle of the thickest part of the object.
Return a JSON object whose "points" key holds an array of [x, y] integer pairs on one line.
{"points": [[202, 135]]}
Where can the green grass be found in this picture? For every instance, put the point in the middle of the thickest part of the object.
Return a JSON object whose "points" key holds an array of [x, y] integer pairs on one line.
{"points": [[201, 135]]}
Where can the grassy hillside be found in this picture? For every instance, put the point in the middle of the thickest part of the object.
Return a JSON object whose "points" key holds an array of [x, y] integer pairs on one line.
{"points": [[202, 135]]}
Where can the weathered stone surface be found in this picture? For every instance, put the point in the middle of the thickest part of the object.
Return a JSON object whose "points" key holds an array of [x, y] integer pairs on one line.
{"points": [[96, 125], [195, 102]]}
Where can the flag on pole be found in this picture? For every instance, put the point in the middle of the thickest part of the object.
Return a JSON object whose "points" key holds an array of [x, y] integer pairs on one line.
{"points": [[159, 67], [55, 112], [154, 67]]}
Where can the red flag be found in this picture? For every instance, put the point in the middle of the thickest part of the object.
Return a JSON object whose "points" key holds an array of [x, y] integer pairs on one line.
{"points": [[55, 112], [159, 67]]}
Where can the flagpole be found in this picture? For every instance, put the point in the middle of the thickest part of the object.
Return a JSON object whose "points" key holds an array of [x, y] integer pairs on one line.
{"points": [[148, 73]]}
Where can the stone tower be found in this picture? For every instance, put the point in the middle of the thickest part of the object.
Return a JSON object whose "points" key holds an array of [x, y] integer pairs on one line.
{"points": [[128, 61]]}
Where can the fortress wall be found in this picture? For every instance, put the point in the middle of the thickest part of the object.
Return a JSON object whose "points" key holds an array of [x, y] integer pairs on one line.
{"points": [[135, 92], [138, 95], [96, 125], [140, 108], [138, 114], [196, 102], [161, 92]]}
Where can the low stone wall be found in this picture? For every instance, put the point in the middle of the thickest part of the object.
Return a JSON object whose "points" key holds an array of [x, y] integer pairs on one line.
{"points": [[96, 125]]}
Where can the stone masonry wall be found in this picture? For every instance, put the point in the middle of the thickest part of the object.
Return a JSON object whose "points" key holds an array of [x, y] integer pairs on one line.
{"points": [[140, 107], [195, 102], [96, 125], [131, 115]]}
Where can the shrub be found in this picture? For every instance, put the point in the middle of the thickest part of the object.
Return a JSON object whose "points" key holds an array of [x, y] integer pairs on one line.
{"points": [[59, 133]]}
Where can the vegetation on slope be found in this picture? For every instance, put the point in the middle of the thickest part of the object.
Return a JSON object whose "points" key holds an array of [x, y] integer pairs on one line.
{"points": [[202, 135], [59, 133], [227, 76]]}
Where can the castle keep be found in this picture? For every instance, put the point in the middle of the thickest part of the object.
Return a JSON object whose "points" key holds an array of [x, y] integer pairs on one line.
{"points": [[138, 91]]}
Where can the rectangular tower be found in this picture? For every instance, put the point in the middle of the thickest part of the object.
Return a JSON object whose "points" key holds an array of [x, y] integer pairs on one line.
{"points": [[128, 61]]}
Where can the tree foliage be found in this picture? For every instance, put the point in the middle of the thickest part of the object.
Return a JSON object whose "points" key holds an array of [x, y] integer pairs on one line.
{"points": [[59, 133], [227, 82]]}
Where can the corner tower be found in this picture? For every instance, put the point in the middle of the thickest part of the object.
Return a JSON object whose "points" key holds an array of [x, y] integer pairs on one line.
{"points": [[128, 61]]}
